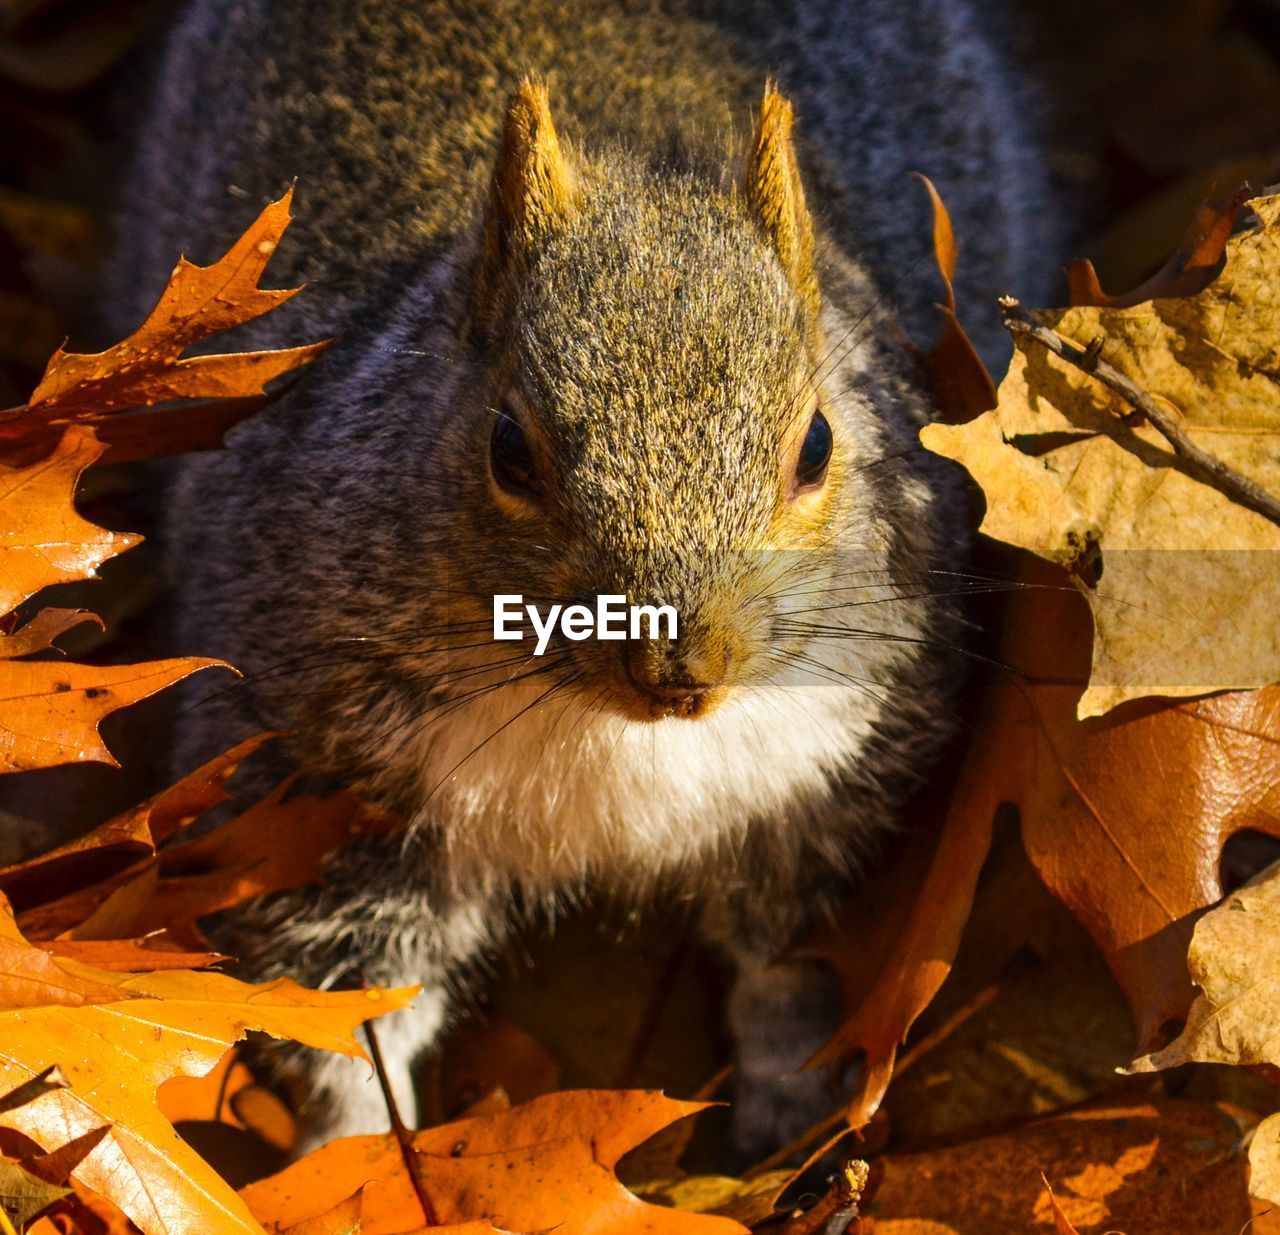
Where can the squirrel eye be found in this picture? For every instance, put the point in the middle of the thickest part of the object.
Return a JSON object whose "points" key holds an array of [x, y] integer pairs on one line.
{"points": [[510, 457], [815, 452]]}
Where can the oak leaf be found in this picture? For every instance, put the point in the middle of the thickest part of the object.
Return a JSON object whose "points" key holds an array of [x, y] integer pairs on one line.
{"points": [[24, 1196], [31, 1182], [276, 844], [230, 1094], [962, 387], [45, 541], [546, 1164], [1196, 262], [117, 1037], [149, 367], [1146, 1166], [1124, 818], [49, 711], [1189, 581], [135, 834], [1235, 961]]}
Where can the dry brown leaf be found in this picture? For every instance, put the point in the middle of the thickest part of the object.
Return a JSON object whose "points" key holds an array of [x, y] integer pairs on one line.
{"points": [[42, 631], [229, 1094], [117, 1037], [1190, 582], [1264, 1161], [750, 1201], [24, 1196], [925, 934], [1235, 961], [961, 385], [1197, 261], [125, 888], [84, 1213], [1145, 1167], [137, 833], [148, 368], [547, 1164], [49, 711], [1124, 818]]}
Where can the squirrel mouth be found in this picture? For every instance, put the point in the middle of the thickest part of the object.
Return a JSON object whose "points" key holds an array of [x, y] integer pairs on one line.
{"points": [[669, 696]]}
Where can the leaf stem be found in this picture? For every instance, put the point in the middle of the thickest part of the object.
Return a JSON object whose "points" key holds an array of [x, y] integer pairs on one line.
{"points": [[404, 1137]]}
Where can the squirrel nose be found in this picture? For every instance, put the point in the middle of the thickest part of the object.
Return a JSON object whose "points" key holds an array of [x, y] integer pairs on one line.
{"points": [[679, 677]]}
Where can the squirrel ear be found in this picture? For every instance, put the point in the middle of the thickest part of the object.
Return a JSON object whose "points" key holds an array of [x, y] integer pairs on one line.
{"points": [[775, 195], [532, 187]]}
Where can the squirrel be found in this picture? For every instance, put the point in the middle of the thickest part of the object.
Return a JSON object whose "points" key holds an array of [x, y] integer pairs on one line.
{"points": [[622, 292]]}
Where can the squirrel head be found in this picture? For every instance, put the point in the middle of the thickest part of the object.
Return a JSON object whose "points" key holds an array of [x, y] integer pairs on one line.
{"points": [[657, 415]]}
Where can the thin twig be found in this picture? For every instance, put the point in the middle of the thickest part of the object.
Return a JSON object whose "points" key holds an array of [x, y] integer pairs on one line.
{"points": [[834, 1214], [651, 1014], [1199, 463], [404, 1137], [906, 1060]]}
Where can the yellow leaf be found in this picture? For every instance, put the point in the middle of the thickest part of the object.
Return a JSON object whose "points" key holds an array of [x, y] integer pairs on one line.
{"points": [[1234, 959], [1190, 582], [117, 1038]]}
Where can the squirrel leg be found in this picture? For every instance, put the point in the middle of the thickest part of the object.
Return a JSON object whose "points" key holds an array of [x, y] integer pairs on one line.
{"points": [[780, 1010], [779, 1013], [378, 921]]}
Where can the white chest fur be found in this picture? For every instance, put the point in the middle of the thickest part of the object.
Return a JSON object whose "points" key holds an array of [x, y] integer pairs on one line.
{"points": [[562, 791]]}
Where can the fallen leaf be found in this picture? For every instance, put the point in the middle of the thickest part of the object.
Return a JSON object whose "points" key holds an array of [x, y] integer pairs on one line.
{"points": [[149, 368], [1188, 581], [50, 711], [117, 1037], [961, 385], [546, 1164], [920, 954], [749, 1201], [1264, 1161], [45, 541], [84, 1213], [229, 1094], [1234, 959], [276, 844], [1146, 1167], [31, 1182], [24, 1196], [136, 833], [1124, 818], [40, 633], [1196, 262]]}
